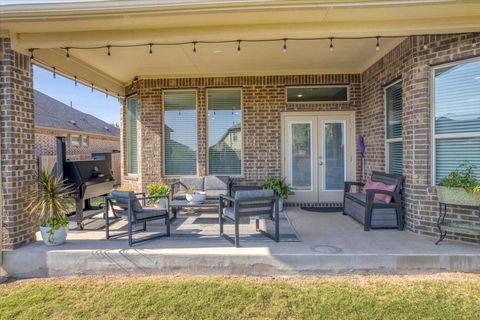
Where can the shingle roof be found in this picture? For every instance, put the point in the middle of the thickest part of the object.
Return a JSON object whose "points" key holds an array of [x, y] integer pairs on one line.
{"points": [[52, 113]]}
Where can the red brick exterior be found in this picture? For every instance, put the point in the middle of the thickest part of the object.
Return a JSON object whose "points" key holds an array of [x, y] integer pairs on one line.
{"points": [[17, 145]]}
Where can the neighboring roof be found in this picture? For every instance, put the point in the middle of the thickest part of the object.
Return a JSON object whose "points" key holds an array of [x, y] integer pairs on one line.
{"points": [[54, 114]]}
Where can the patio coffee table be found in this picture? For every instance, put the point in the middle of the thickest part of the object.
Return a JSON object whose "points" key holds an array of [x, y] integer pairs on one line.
{"points": [[176, 205]]}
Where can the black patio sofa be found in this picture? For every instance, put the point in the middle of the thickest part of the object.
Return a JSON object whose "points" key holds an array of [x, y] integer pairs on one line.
{"points": [[376, 214]]}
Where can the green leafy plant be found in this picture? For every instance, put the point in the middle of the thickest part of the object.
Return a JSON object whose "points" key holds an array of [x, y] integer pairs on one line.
{"points": [[157, 190], [279, 187], [463, 177], [190, 190], [49, 202]]}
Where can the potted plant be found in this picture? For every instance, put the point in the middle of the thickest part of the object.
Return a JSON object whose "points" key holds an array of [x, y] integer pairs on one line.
{"points": [[280, 188], [49, 203], [160, 190], [460, 187], [194, 196]]}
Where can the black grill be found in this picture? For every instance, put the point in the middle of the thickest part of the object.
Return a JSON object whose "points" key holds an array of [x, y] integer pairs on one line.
{"points": [[91, 178]]}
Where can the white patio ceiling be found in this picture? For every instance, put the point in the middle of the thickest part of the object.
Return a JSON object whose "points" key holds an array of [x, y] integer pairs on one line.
{"points": [[98, 23]]}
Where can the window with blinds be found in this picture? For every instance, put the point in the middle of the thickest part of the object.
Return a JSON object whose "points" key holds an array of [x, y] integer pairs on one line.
{"points": [[394, 123], [131, 135], [180, 132], [225, 141], [457, 117]]}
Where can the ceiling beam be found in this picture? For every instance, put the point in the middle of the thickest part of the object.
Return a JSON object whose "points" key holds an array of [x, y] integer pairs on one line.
{"points": [[213, 33]]}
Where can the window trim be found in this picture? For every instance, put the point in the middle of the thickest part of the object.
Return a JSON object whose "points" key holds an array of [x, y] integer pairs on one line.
{"points": [[242, 172], [163, 132], [391, 140], [87, 139], [317, 86], [440, 136], [131, 174], [79, 140]]}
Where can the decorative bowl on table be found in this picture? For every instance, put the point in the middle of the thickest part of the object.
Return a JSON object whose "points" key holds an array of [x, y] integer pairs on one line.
{"points": [[197, 197]]}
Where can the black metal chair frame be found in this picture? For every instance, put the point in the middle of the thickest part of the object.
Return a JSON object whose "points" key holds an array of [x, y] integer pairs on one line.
{"points": [[132, 220], [224, 199], [370, 204]]}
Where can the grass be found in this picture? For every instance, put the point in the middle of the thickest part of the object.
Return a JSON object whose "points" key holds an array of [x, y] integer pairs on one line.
{"points": [[446, 296]]}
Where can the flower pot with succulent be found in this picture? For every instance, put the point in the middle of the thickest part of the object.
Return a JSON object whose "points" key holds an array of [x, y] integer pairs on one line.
{"points": [[161, 191], [460, 187], [49, 204], [280, 188], [194, 196]]}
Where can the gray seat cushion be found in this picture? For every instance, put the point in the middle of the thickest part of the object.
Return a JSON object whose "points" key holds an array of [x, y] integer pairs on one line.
{"points": [[230, 213], [251, 194], [361, 197], [147, 213], [196, 182], [215, 194], [121, 198], [216, 183]]}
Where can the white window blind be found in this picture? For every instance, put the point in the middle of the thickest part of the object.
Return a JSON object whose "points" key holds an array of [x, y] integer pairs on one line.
{"points": [[131, 134], [457, 116], [180, 132], [224, 132], [394, 119]]}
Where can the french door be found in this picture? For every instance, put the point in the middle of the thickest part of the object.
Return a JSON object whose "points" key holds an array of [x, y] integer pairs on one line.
{"points": [[318, 154]]}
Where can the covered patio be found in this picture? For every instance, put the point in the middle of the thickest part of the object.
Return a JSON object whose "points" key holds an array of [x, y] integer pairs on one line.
{"points": [[254, 90], [329, 244]]}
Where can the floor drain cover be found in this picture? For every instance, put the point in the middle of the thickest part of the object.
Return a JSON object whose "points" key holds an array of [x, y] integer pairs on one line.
{"points": [[325, 249]]}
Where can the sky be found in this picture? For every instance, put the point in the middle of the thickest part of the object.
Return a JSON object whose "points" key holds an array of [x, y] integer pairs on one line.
{"points": [[82, 97]]}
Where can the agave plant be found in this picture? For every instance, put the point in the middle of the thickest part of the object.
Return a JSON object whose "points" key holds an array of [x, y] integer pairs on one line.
{"points": [[49, 202]]}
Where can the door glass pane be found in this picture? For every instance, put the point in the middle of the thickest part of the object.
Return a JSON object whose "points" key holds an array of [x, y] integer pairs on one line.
{"points": [[301, 156], [334, 164]]}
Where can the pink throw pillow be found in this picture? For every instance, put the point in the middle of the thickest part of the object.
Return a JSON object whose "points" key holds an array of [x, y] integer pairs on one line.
{"points": [[380, 186]]}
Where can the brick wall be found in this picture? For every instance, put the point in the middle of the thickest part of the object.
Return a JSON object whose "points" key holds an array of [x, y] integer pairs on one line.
{"points": [[17, 145], [412, 63], [263, 101], [45, 143]]}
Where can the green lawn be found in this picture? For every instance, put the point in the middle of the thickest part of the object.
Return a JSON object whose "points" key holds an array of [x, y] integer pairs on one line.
{"points": [[454, 296]]}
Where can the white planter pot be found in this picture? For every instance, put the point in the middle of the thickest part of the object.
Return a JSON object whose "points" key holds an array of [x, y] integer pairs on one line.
{"points": [[58, 237], [197, 197], [161, 203], [458, 196]]}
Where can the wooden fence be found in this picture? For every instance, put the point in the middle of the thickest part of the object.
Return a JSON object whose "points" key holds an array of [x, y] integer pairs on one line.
{"points": [[47, 163]]}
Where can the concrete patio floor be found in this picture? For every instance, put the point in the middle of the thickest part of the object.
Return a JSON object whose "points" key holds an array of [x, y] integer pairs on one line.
{"points": [[330, 243]]}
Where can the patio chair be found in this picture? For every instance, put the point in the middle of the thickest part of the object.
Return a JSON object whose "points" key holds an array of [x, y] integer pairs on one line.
{"points": [[249, 204], [126, 205], [365, 207]]}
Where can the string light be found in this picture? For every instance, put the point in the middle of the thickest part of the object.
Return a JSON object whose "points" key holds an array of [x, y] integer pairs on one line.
{"points": [[106, 93], [238, 47], [151, 48], [331, 44], [474, 40], [68, 53], [32, 57], [54, 72], [108, 51], [284, 45], [194, 48], [91, 86], [377, 46], [75, 77], [425, 43]]}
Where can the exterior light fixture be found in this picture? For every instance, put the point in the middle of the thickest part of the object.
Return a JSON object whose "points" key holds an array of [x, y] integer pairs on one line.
{"points": [[194, 48], [151, 48], [331, 44], [284, 45], [68, 54], [238, 47], [54, 72], [108, 51], [377, 46], [32, 57], [91, 86], [75, 77]]}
